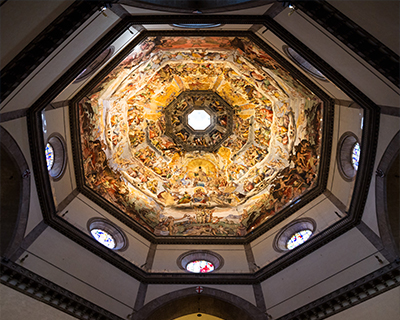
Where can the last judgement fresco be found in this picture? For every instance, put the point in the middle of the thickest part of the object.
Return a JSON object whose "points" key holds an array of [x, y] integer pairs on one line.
{"points": [[258, 153]]}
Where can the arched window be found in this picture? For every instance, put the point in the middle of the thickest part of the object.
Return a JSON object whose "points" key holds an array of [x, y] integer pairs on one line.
{"points": [[200, 261], [56, 156], [348, 155], [294, 234], [107, 233], [303, 63]]}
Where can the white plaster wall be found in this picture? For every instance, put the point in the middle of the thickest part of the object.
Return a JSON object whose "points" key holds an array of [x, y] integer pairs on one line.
{"points": [[233, 255], [157, 290], [81, 209], [347, 63], [59, 61], [385, 306], [389, 126], [67, 264], [118, 45], [346, 119], [36, 16], [57, 123], [348, 257], [321, 210], [18, 306], [277, 44]]}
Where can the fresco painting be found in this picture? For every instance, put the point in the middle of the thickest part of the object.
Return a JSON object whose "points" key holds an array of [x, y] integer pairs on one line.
{"points": [[133, 158]]}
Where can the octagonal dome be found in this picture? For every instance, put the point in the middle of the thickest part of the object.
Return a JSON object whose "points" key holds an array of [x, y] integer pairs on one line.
{"points": [[258, 152]]}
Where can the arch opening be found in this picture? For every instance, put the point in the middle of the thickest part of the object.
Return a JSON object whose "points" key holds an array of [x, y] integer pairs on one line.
{"points": [[212, 302]]}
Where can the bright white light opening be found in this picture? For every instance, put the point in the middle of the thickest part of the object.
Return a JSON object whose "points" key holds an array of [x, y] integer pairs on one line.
{"points": [[200, 266], [103, 237], [199, 119], [298, 238]]}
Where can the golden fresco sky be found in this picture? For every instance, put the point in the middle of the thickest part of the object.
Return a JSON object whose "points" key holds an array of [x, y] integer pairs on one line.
{"points": [[130, 158]]}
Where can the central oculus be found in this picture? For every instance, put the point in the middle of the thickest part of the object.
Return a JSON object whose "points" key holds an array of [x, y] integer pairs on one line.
{"points": [[199, 119]]}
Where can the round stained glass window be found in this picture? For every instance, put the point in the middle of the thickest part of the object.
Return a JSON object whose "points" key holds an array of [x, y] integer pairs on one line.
{"points": [[298, 238], [49, 156], [355, 155], [103, 237], [200, 266]]}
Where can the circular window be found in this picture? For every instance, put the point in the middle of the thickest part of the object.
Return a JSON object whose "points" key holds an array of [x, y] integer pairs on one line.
{"points": [[200, 266], [95, 65], [294, 234], [298, 238], [355, 155], [303, 63], [107, 233], [348, 155], [49, 156], [103, 237], [55, 156], [200, 261]]}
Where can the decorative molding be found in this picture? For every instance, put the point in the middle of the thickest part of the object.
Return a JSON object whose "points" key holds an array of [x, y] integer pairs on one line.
{"points": [[150, 257], [350, 295], [63, 204], [250, 258], [259, 297], [372, 237], [39, 288], [335, 201], [370, 135], [43, 290], [201, 7], [44, 44], [141, 296], [28, 240], [328, 107], [12, 115], [354, 37], [275, 9], [390, 111]]}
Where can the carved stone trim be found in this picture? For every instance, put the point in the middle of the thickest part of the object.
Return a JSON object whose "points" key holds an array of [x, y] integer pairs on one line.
{"points": [[370, 135], [44, 44], [350, 295], [43, 290], [366, 46]]}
